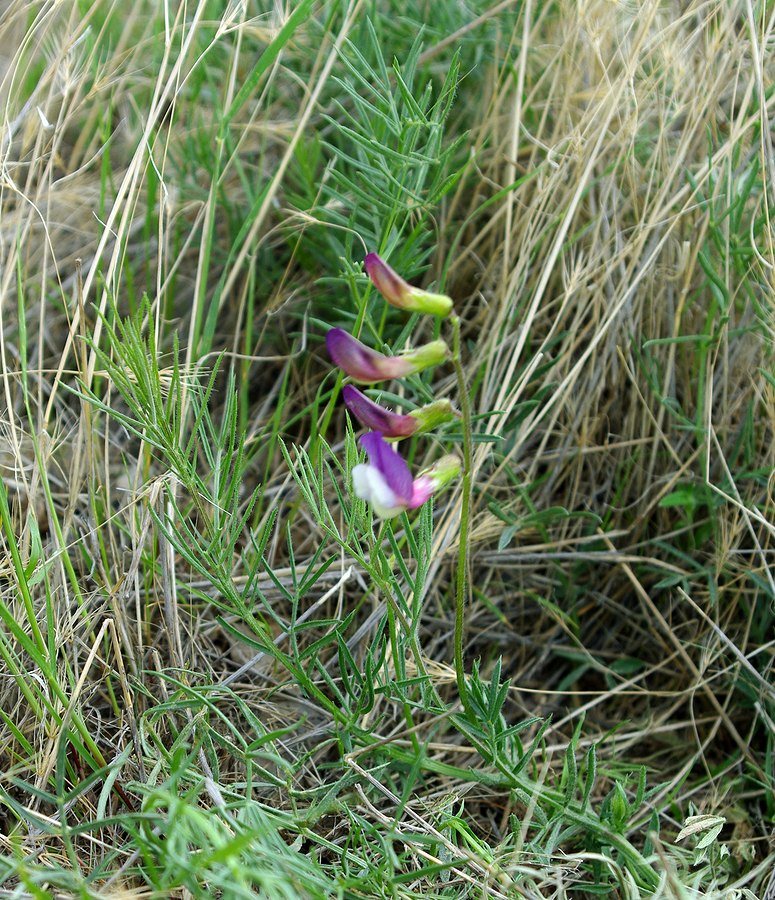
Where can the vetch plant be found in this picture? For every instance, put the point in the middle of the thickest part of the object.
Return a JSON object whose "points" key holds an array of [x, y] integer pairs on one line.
{"points": [[385, 480]]}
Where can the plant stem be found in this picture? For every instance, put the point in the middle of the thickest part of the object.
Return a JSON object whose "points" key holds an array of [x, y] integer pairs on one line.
{"points": [[461, 584]]}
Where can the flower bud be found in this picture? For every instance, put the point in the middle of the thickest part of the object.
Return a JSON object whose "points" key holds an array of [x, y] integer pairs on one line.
{"points": [[365, 365], [395, 425], [400, 293]]}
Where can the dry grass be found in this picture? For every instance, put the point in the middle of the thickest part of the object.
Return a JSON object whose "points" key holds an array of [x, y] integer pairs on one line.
{"points": [[609, 248]]}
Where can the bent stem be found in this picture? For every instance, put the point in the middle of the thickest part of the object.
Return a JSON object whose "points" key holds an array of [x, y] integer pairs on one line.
{"points": [[461, 583]]}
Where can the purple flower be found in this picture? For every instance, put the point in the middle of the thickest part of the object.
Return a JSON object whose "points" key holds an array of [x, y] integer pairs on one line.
{"points": [[386, 482], [402, 294], [365, 365], [395, 425]]}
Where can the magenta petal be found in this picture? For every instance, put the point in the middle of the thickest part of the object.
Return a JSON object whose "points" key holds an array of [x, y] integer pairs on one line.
{"points": [[422, 488], [388, 282], [392, 466], [360, 362], [350, 355], [375, 417]]}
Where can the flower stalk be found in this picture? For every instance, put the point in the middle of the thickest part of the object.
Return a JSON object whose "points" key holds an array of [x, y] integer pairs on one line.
{"points": [[461, 580]]}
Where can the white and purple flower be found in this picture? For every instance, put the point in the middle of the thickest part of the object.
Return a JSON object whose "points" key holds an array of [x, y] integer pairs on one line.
{"points": [[386, 482]]}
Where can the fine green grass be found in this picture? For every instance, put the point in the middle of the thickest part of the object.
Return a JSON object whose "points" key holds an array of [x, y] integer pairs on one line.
{"points": [[220, 675]]}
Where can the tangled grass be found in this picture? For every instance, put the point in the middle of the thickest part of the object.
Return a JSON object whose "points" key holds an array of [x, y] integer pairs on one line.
{"points": [[220, 677]]}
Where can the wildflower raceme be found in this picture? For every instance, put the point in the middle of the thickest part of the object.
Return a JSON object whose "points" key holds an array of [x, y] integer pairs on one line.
{"points": [[384, 481]]}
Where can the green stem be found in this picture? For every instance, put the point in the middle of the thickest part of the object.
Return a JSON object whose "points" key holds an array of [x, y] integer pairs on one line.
{"points": [[461, 584], [395, 616]]}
